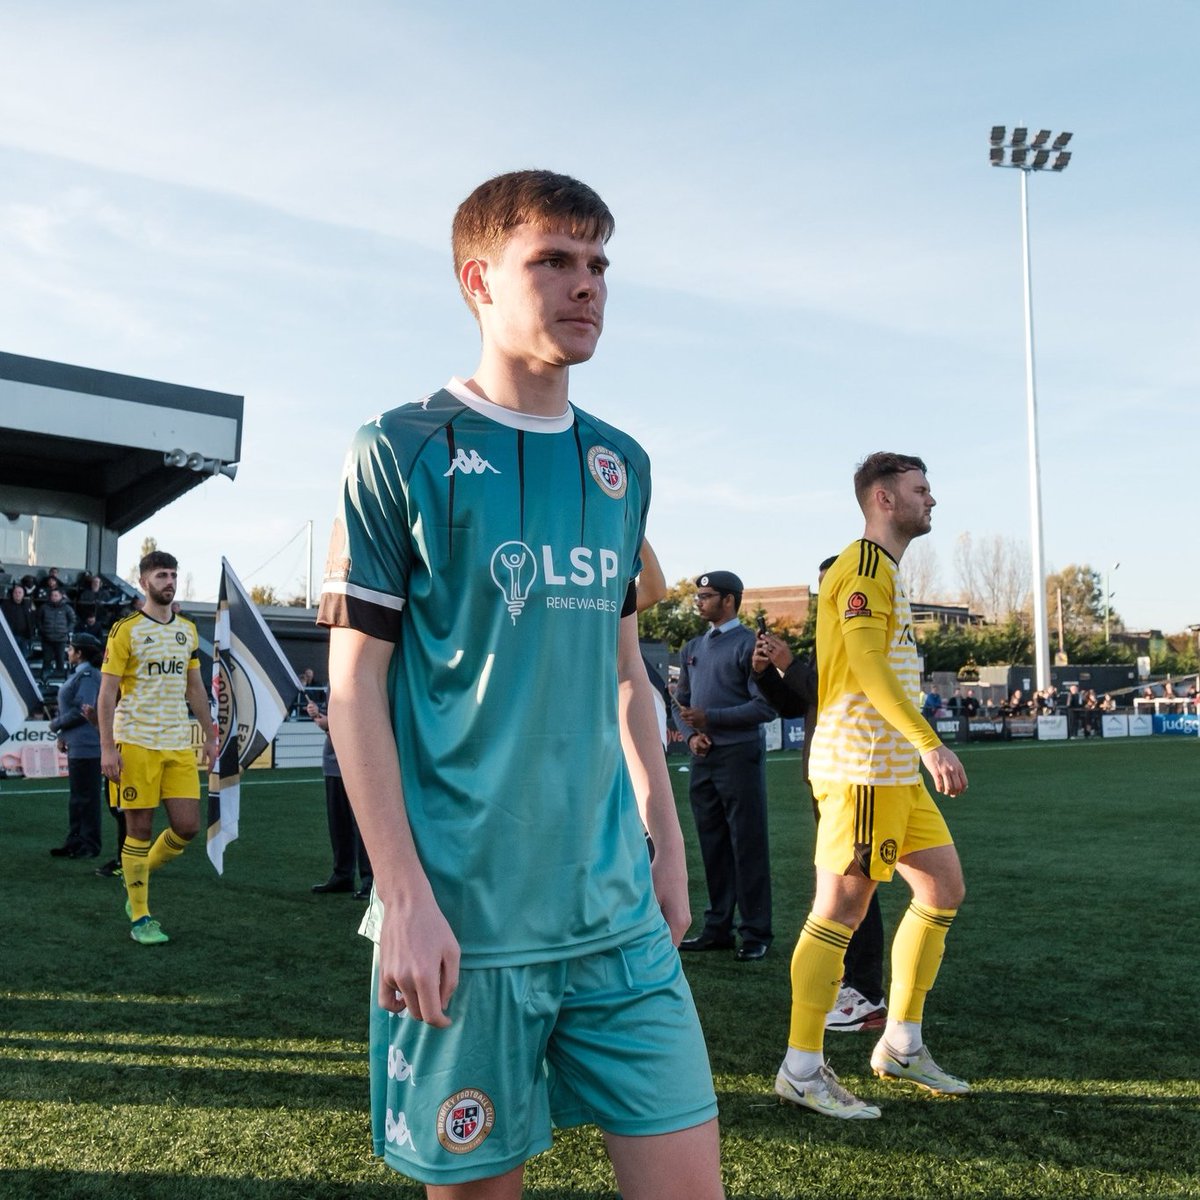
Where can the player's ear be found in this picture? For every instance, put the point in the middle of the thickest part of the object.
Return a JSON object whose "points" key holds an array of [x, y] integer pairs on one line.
{"points": [[473, 277]]}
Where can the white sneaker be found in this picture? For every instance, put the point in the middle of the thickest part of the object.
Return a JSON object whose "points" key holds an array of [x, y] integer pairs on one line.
{"points": [[853, 1011], [918, 1068], [822, 1093]]}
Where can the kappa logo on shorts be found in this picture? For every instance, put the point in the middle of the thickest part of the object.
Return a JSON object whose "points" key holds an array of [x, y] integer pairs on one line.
{"points": [[608, 471], [396, 1130], [887, 851], [464, 1120], [398, 1067], [856, 606]]}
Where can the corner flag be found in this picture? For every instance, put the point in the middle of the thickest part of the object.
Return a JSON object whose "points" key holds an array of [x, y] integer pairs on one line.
{"points": [[19, 694], [254, 686]]}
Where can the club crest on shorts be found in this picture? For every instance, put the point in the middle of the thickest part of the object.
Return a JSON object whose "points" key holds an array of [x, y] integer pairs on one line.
{"points": [[608, 471], [856, 606], [464, 1120], [887, 851]]}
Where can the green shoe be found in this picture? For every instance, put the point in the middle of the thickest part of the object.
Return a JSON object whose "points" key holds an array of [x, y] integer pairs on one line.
{"points": [[128, 909], [148, 932]]}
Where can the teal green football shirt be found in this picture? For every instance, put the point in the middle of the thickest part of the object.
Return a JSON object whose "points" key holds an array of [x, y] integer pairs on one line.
{"points": [[497, 550]]}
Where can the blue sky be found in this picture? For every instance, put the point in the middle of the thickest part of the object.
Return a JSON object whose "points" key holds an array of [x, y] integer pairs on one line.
{"points": [[813, 259]]}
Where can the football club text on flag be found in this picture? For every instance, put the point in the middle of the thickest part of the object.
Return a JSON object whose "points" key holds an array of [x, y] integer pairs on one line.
{"points": [[253, 687], [19, 693]]}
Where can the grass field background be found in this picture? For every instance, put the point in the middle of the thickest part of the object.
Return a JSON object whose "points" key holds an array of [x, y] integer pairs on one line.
{"points": [[231, 1063]]}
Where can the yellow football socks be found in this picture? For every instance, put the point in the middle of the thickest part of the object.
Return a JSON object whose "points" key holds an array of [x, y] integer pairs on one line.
{"points": [[168, 846], [816, 975], [917, 952], [135, 868]]}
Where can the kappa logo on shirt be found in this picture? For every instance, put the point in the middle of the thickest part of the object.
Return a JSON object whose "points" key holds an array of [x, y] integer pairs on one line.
{"points": [[469, 464]]}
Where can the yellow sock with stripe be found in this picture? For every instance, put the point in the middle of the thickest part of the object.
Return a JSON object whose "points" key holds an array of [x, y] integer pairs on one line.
{"points": [[135, 869], [168, 846], [917, 951], [817, 965]]}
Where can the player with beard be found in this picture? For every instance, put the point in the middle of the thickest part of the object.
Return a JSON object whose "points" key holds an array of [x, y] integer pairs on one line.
{"points": [[149, 680], [876, 816]]}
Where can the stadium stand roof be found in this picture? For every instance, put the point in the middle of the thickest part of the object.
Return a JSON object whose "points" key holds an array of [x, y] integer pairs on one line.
{"points": [[93, 444]]}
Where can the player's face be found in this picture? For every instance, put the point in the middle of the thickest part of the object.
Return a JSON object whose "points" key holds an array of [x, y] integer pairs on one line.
{"points": [[541, 300], [160, 584], [912, 512]]}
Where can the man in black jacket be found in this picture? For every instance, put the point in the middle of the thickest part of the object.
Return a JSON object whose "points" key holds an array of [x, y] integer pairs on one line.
{"points": [[790, 686]]}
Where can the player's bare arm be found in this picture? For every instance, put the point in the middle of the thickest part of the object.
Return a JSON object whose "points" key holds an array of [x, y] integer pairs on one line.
{"points": [[651, 783], [418, 952], [200, 704], [106, 707]]}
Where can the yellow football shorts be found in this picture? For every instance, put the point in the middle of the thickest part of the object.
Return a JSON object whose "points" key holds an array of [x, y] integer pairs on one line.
{"points": [[150, 776], [871, 827]]}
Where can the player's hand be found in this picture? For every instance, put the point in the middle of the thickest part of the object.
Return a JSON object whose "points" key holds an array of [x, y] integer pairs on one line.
{"points": [[695, 717], [212, 751], [111, 764], [418, 961], [948, 774], [671, 891]]}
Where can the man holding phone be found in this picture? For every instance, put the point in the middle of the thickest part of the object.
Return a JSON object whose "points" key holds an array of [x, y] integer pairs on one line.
{"points": [[720, 712]]}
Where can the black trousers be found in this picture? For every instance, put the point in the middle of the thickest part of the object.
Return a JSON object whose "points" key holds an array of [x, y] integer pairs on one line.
{"points": [[344, 838], [728, 793], [83, 807]]}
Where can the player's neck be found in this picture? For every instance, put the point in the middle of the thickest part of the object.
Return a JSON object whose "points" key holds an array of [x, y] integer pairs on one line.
{"points": [[157, 612], [515, 385], [891, 541]]}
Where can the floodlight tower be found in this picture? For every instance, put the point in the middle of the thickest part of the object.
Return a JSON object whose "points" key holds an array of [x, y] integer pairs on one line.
{"points": [[1027, 154]]}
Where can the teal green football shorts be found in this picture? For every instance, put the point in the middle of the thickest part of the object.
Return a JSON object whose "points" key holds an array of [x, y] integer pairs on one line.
{"points": [[610, 1039]]}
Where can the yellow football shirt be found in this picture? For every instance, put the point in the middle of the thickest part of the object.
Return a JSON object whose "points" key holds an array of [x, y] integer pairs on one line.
{"points": [[152, 658], [869, 729]]}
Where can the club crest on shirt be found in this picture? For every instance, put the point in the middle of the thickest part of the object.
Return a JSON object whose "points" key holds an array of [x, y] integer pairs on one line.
{"points": [[856, 606], [464, 1120], [608, 471]]}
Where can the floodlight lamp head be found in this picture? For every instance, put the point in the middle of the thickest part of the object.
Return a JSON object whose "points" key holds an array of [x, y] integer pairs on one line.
{"points": [[998, 135]]}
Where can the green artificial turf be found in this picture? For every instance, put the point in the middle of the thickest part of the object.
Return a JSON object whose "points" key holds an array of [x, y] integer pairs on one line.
{"points": [[231, 1063]]}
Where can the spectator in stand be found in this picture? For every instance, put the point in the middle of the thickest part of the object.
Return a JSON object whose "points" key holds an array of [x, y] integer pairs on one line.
{"points": [[931, 704], [81, 741], [17, 609], [95, 596], [970, 705], [1074, 707], [87, 623], [55, 621], [1091, 714]]}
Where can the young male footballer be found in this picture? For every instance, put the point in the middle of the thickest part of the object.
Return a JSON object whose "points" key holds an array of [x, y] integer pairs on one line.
{"points": [[149, 679], [497, 735], [876, 816]]}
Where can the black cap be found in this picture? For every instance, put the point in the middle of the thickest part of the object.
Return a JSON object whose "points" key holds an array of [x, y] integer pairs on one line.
{"points": [[86, 641], [721, 581]]}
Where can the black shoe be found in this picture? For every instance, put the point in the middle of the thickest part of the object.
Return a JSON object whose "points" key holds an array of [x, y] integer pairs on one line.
{"points": [[62, 852], [707, 941], [108, 869], [333, 884], [751, 952], [363, 893]]}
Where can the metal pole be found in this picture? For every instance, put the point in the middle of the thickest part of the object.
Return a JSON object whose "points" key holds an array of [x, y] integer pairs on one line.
{"points": [[1041, 638], [308, 569]]}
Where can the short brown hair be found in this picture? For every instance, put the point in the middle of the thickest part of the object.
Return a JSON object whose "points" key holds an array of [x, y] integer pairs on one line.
{"points": [[883, 464], [155, 559], [543, 199]]}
